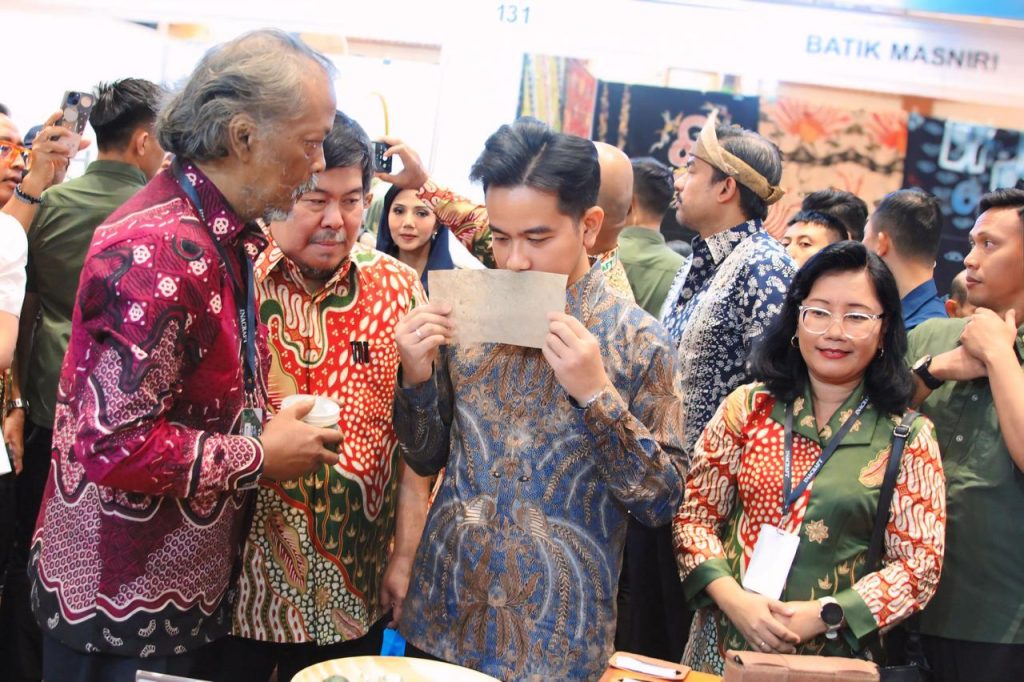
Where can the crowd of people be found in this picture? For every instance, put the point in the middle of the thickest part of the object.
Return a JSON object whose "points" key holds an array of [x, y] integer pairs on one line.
{"points": [[734, 445]]}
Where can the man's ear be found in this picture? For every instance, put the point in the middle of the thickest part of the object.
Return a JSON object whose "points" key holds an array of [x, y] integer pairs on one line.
{"points": [[727, 189], [952, 308], [591, 223], [141, 139], [242, 137], [367, 200], [882, 244]]}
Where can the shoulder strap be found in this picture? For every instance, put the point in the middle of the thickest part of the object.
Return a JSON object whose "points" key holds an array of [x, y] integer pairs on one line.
{"points": [[892, 469]]}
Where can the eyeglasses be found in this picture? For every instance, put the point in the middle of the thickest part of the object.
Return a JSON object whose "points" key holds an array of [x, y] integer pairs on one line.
{"points": [[855, 325], [9, 150]]}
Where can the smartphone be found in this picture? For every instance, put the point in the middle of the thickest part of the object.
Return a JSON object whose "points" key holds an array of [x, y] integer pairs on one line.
{"points": [[75, 109], [380, 163]]}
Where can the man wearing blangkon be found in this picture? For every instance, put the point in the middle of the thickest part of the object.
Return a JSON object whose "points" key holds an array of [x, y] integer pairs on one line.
{"points": [[157, 441], [732, 289], [547, 451]]}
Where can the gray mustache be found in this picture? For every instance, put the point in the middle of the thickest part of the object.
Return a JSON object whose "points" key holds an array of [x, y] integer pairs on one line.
{"points": [[328, 237]]}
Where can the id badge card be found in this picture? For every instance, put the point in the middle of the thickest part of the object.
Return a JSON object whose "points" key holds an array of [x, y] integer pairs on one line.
{"points": [[251, 422], [773, 557]]}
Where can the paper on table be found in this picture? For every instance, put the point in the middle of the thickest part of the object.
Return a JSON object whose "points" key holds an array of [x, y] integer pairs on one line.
{"points": [[638, 666], [499, 306]]}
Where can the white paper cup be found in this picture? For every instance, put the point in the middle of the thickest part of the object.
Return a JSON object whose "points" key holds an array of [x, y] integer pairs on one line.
{"points": [[325, 412]]}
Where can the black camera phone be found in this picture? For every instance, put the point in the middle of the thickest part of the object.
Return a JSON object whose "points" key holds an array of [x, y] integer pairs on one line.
{"points": [[381, 163]]}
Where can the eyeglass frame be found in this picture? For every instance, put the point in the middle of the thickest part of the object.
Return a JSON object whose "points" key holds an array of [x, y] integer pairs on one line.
{"points": [[16, 148], [874, 317]]}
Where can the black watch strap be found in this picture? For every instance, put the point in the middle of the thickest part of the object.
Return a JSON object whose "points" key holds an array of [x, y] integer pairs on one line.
{"points": [[921, 369], [17, 404]]}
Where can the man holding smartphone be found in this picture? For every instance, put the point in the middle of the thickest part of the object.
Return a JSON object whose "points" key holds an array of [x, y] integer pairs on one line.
{"points": [[123, 117], [158, 436]]}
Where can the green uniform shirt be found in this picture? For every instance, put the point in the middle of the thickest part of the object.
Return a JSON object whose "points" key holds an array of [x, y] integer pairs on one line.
{"points": [[57, 244], [981, 592], [650, 266]]}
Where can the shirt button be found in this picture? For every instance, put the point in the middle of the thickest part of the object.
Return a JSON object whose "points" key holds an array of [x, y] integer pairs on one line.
{"points": [[974, 397], [959, 439]]}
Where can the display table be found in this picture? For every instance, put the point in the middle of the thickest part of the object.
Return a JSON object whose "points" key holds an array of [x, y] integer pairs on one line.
{"points": [[374, 668]]}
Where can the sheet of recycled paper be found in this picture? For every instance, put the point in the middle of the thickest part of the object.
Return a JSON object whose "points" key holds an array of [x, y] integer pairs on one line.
{"points": [[499, 306]]}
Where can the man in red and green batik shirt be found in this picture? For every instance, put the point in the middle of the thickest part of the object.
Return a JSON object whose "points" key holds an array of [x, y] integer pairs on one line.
{"points": [[319, 574]]}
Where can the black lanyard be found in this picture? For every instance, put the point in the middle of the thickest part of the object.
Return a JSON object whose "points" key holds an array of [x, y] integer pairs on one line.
{"points": [[789, 497], [245, 302]]}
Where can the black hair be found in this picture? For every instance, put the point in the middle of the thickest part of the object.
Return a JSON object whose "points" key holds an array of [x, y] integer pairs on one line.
{"points": [[4, 110], [1004, 198], [836, 230], [528, 153], [888, 382], [652, 185], [121, 107], [348, 145], [846, 206], [760, 154], [913, 220]]}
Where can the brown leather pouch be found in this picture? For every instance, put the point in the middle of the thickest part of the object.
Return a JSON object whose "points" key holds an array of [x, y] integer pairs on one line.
{"points": [[752, 666]]}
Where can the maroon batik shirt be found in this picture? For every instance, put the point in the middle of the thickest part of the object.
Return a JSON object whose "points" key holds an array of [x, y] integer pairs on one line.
{"points": [[148, 497]]}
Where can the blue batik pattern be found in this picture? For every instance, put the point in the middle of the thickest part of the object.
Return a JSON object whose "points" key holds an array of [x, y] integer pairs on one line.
{"points": [[721, 303], [518, 566]]}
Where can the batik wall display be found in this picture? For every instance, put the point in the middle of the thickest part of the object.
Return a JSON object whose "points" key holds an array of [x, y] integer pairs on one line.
{"points": [[822, 146], [580, 95], [958, 162], [643, 120], [540, 92]]}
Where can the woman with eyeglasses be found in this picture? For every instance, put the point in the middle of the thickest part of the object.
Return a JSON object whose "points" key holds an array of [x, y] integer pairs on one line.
{"points": [[785, 482]]}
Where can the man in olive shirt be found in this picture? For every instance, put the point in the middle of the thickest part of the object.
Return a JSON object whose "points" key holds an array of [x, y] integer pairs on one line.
{"points": [[650, 264], [971, 380], [129, 155]]}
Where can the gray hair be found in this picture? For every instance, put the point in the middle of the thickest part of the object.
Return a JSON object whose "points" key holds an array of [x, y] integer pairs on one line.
{"points": [[259, 73]]}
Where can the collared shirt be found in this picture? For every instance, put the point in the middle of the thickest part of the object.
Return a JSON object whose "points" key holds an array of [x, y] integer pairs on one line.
{"points": [[517, 569], [650, 266], [13, 253], [922, 303], [615, 274], [981, 594], [736, 484], [721, 303], [318, 546], [145, 508], [57, 244]]}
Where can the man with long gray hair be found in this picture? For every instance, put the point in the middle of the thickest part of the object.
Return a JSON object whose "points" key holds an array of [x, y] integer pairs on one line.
{"points": [[158, 433]]}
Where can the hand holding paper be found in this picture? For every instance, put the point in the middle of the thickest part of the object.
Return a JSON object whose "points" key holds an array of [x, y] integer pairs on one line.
{"points": [[419, 335], [499, 306], [575, 355]]}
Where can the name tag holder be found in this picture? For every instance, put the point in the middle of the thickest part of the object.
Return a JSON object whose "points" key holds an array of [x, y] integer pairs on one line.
{"points": [[775, 549]]}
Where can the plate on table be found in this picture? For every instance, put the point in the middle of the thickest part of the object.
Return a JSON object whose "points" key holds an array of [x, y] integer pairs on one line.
{"points": [[379, 668]]}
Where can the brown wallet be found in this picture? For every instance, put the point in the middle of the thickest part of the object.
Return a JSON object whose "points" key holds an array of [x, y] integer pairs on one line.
{"points": [[753, 666]]}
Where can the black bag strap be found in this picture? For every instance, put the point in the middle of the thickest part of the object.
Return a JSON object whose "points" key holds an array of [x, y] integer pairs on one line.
{"points": [[892, 469]]}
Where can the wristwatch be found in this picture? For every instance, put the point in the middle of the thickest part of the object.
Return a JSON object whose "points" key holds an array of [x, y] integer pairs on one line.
{"points": [[832, 614], [17, 404], [920, 368]]}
